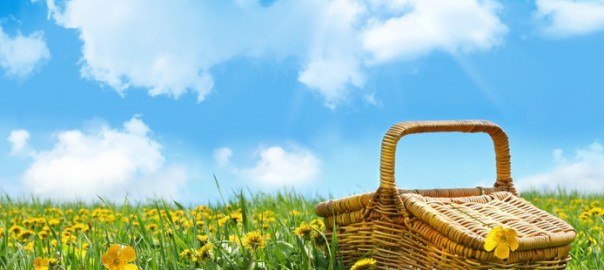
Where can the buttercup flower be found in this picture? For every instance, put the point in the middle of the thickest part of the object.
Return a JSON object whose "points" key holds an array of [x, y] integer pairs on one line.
{"points": [[502, 240], [364, 264], [118, 258]]}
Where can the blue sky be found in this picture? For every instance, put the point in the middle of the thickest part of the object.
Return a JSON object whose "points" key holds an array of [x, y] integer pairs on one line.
{"points": [[153, 98]]}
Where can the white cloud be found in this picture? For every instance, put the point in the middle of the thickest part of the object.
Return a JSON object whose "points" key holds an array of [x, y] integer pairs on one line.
{"points": [[107, 162], [171, 48], [19, 141], [275, 166], [583, 172], [278, 167], [424, 26], [564, 18], [21, 55]]}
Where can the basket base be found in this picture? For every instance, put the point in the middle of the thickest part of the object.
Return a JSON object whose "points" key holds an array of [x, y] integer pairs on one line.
{"points": [[356, 241]]}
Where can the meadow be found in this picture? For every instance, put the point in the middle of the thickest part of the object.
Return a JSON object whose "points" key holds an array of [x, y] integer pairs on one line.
{"points": [[257, 231]]}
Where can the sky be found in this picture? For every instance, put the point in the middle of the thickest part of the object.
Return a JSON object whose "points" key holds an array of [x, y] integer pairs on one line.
{"points": [[160, 98]]}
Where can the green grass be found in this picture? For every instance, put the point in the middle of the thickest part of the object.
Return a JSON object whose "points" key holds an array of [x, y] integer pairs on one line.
{"points": [[76, 235]]}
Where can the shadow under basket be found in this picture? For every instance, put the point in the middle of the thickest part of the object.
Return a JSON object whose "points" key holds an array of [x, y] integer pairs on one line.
{"points": [[444, 228]]}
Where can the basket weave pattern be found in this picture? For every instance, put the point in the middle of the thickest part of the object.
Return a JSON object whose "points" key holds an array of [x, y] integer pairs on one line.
{"points": [[444, 228]]}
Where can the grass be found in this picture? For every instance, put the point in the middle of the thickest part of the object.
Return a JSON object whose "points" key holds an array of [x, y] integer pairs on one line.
{"points": [[168, 235]]}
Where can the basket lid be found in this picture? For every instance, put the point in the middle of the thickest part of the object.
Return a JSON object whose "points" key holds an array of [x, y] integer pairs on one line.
{"points": [[468, 220]]}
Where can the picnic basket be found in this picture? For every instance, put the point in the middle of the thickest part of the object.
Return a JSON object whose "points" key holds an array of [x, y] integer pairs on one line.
{"points": [[444, 228]]}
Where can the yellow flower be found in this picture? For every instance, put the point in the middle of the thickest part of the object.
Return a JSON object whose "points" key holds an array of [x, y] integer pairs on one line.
{"points": [[203, 252], [187, 253], [253, 240], [364, 264], [80, 227], [502, 240], [317, 224], [16, 230], [29, 247], [42, 235], [26, 234], [202, 238], [596, 211], [595, 204], [152, 227], [304, 231], [118, 258], [41, 264], [234, 239], [592, 241], [52, 262]]}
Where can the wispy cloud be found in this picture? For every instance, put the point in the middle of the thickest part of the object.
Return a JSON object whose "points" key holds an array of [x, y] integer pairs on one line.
{"points": [[583, 172], [565, 18], [20, 55], [170, 49], [107, 162]]}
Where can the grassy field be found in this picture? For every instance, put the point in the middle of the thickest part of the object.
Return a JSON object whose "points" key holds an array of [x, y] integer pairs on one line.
{"points": [[248, 232]]}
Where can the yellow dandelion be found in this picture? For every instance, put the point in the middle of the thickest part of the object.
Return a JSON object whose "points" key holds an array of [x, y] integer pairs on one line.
{"points": [[41, 263], [118, 258], [563, 215], [236, 217], [39, 222], [15, 230], [234, 239], [584, 216], [80, 227], [42, 235], [595, 204], [152, 227], [364, 264], [187, 254], [596, 211], [29, 247], [253, 240], [26, 234], [304, 231], [202, 238], [52, 263], [28, 222], [318, 224], [592, 241], [502, 240], [204, 252], [54, 222]]}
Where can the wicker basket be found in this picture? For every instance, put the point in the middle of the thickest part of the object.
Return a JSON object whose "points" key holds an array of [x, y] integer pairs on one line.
{"points": [[444, 228]]}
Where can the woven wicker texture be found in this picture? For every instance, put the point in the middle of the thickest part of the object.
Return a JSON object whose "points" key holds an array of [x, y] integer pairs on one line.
{"points": [[444, 228]]}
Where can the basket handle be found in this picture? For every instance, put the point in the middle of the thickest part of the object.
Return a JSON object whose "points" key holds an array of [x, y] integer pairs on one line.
{"points": [[396, 132]]}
